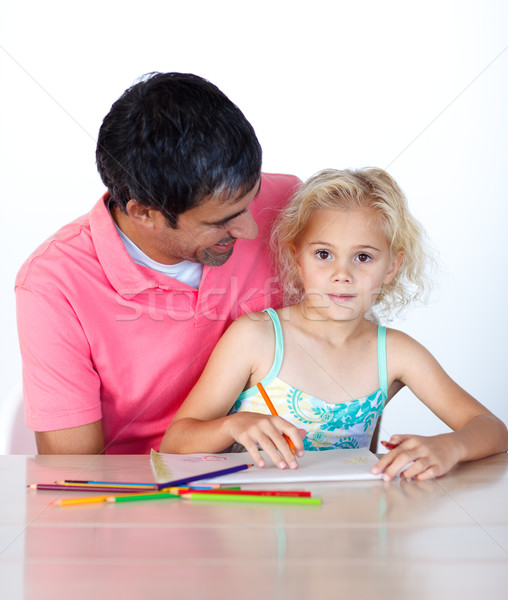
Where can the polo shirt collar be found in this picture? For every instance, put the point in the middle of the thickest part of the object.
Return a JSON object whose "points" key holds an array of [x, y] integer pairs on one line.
{"points": [[126, 277]]}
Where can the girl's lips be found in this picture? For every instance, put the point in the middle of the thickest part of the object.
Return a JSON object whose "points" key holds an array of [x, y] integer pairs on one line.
{"points": [[341, 297]]}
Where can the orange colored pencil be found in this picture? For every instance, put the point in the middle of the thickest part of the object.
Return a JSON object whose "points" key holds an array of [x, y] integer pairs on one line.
{"points": [[271, 408]]}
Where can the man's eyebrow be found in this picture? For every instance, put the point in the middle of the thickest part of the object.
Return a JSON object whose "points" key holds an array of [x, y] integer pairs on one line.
{"points": [[240, 212], [255, 195], [226, 219]]}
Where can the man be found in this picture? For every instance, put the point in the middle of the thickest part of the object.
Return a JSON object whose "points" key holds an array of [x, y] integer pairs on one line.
{"points": [[119, 311]]}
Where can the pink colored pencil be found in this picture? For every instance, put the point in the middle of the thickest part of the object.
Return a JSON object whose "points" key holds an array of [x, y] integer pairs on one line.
{"points": [[286, 493], [55, 487]]}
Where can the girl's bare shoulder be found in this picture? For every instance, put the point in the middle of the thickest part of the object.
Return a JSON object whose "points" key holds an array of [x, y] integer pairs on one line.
{"points": [[253, 329], [404, 353], [400, 341]]}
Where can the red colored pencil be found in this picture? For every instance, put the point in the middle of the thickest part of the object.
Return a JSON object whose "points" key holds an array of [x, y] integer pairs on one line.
{"points": [[389, 445]]}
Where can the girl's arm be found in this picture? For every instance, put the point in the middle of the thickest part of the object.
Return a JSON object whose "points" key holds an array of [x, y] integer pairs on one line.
{"points": [[477, 433], [202, 423]]}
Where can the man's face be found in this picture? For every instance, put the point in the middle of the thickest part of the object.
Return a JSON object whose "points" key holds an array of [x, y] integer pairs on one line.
{"points": [[205, 234]]}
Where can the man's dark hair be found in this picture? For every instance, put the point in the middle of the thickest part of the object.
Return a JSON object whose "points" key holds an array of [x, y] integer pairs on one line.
{"points": [[172, 139]]}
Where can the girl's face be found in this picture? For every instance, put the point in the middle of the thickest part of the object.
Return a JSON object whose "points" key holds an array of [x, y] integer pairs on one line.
{"points": [[344, 258]]}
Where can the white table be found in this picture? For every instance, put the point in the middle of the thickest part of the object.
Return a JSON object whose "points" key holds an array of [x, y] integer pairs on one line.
{"points": [[442, 539]]}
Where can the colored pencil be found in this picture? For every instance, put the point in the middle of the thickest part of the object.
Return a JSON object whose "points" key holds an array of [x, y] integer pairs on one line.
{"points": [[283, 493], [111, 486], [271, 408], [187, 488], [209, 475], [55, 487], [389, 445], [135, 497], [109, 483], [127, 498], [211, 486], [250, 498], [75, 501]]}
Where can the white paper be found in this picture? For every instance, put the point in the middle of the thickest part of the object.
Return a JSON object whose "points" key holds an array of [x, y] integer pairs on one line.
{"points": [[327, 465]]}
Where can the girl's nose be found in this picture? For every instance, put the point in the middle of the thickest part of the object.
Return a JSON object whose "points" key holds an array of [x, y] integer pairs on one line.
{"points": [[342, 273]]}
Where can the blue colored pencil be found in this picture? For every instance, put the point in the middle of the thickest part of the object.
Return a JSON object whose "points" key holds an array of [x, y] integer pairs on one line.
{"points": [[209, 475]]}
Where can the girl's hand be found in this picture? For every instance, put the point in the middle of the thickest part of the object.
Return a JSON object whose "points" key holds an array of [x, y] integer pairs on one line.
{"points": [[419, 457], [254, 429]]}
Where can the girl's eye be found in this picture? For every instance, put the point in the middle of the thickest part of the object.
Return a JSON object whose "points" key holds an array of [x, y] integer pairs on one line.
{"points": [[323, 254], [363, 258]]}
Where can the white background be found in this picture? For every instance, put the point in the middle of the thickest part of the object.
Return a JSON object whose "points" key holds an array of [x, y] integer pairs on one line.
{"points": [[420, 89]]}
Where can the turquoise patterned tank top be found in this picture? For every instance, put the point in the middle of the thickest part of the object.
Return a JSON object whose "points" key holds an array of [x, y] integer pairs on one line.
{"points": [[346, 425]]}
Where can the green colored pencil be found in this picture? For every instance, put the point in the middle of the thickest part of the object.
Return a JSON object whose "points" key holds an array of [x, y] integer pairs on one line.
{"points": [[265, 499], [134, 497]]}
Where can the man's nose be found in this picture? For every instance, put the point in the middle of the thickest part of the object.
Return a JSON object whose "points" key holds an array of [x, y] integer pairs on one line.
{"points": [[244, 227]]}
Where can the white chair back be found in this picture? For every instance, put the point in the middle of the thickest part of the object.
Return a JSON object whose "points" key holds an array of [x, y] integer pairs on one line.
{"points": [[15, 437]]}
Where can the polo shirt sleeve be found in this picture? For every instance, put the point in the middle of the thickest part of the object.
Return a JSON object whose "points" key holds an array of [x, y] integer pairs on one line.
{"points": [[60, 386]]}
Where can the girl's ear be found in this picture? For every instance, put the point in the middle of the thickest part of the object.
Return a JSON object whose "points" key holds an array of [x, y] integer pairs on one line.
{"points": [[294, 251], [394, 267]]}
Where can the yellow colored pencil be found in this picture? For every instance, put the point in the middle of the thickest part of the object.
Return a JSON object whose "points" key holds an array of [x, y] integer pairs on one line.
{"points": [[74, 501], [123, 498]]}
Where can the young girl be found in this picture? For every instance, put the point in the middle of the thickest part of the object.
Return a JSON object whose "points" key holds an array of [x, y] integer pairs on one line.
{"points": [[347, 246]]}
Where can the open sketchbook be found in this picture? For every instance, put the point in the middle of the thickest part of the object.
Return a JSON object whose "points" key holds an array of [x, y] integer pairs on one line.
{"points": [[328, 465]]}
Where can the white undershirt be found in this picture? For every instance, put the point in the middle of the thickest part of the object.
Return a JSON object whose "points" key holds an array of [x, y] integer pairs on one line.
{"points": [[186, 271]]}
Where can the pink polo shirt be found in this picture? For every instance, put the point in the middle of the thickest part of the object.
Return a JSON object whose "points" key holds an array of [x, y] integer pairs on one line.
{"points": [[103, 338]]}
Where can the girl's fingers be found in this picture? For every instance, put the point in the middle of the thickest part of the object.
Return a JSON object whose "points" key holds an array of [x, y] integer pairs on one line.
{"points": [[269, 448], [416, 468], [384, 462], [294, 440], [418, 457], [278, 450], [429, 473], [287, 454], [283, 437], [273, 434], [253, 450], [393, 463]]}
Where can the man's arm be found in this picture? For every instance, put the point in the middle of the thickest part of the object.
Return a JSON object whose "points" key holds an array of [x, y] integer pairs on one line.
{"points": [[86, 439], [60, 386]]}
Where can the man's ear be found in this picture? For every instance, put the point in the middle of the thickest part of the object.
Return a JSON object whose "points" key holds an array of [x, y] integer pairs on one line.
{"points": [[139, 213], [394, 267]]}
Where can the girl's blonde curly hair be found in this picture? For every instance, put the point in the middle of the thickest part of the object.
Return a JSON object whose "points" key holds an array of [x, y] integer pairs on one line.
{"points": [[363, 188]]}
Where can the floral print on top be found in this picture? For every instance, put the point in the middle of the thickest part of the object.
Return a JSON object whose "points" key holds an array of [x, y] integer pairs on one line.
{"points": [[329, 426]]}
